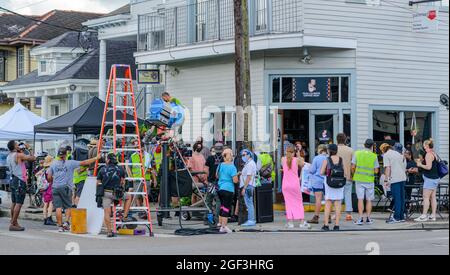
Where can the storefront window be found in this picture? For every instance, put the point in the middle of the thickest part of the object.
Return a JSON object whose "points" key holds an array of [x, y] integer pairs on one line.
{"points": [[321, 89], [348, 128], [386, 124], [224, 128], [418, 127], [276, 89], [415, 128]]}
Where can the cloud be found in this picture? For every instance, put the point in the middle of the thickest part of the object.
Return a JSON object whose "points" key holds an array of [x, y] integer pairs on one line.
{"points": [[38, 7]]}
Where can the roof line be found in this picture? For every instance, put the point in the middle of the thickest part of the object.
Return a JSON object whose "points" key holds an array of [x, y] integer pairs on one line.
{"points": [[36, 24]]}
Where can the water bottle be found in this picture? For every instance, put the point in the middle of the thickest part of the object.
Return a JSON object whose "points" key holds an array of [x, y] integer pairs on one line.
{"points": [[211, 218]]}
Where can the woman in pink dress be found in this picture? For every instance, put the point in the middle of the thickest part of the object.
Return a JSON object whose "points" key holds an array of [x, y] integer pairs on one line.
{"points": [[291, 189]]}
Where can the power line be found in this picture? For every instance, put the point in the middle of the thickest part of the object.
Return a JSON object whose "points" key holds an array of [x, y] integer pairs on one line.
{"points": [[37, 20]]}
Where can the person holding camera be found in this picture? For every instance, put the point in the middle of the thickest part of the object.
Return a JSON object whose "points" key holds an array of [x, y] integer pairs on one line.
{"points": [[16, 165], [110, 182]]}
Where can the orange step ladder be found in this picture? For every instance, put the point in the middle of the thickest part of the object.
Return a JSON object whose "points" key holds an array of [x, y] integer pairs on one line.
{"points": [[117, 130]]}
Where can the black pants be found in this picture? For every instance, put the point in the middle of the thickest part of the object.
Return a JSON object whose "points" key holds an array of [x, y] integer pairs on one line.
{"points": [[226, 199]]}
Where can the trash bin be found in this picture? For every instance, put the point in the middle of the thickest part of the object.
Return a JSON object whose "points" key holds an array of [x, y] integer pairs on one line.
{"points": [[264, 204]]}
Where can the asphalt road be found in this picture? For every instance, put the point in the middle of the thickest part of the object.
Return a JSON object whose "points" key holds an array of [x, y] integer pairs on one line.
{"points": [[38, 239]]}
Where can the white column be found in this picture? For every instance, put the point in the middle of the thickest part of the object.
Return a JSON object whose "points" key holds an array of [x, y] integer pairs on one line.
{"points": [[44, 106], [102, 71], [16, 99], [75, 100]]}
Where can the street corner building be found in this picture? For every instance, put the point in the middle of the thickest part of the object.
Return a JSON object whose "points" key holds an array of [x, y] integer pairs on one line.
{"points": [[355, 66]]}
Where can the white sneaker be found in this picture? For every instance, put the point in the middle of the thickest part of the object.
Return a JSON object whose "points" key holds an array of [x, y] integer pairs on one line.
{"points": [[423, 218], [431, 218], [226, 230], [305, 225], [290, 225]]}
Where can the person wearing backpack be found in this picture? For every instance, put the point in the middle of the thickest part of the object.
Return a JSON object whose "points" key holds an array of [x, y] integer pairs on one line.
{"points": [[333, 169], [47, 192], [431, 178]]}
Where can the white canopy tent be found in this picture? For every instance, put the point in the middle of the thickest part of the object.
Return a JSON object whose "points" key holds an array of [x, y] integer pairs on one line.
{"points": [[18, 124]]}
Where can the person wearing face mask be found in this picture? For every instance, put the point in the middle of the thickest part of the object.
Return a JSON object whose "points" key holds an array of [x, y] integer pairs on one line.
{"points": [[206, 152], [197, 164], [247, 185]]}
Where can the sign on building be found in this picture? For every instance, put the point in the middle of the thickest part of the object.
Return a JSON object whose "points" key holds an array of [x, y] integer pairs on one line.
{"points": [[149, 76], [426, 19]]}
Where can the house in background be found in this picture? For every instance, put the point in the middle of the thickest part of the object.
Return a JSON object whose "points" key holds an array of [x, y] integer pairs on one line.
{"points": [[67, 75], [19, 35]]}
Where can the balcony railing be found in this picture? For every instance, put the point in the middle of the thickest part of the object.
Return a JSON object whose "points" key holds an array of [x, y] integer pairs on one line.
{"points": [[213, 20]]}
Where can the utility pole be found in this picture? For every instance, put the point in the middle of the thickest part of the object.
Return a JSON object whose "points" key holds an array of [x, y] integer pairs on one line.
{"points": [[242, 77]]}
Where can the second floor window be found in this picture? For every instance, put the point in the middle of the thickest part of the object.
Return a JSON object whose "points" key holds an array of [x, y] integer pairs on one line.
{"points": [[261, 15], [200, 20], [20, 62], [43, 66]]}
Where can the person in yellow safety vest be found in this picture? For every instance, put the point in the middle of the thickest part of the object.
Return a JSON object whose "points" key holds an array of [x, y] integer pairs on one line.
{"points": [[267, 167], [365, 167], [134, 171], [79, 178]]}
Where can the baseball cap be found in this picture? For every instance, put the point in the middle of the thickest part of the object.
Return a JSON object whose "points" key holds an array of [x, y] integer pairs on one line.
{"points": [[112, 157], [369, 142], [62, 151], [218, 147], [398, 147]]}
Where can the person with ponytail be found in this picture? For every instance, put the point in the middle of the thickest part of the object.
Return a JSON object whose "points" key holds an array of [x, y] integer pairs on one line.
{"points": [[291, 189], [429, 168]]}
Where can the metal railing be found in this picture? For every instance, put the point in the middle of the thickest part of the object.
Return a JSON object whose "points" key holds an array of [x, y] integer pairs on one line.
{"points": [[213, 20]]}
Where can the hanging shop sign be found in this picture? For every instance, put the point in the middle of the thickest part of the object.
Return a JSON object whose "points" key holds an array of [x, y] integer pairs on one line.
{"points": [[149, 76], [312, 89], [426, 19]]}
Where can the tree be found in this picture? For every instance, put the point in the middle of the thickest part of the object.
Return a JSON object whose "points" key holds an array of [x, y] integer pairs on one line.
{"points": [[242, 74]]}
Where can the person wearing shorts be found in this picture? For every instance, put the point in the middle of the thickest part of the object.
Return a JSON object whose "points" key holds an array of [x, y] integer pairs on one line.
{"points": [[110, 177], [60, 175], [364, 167], [228, 176], [16, 164]]}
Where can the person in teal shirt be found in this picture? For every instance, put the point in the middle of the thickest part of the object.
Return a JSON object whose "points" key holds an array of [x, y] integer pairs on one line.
{"points": [[228, 176]]}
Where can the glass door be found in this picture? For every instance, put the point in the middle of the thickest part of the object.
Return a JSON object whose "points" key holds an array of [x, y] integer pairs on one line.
{"points": [[324, 126]]}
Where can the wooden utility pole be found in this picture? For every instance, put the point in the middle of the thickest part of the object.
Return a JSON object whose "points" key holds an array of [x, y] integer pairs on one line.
{"points": [[242, 70]]}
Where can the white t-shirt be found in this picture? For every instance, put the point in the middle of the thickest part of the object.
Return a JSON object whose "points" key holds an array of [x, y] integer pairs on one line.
{"points": [[397, 163], [249, 170]]}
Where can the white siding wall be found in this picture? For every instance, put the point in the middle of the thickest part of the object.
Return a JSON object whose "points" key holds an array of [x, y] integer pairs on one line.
{"points": [[212, 81], [395, 66]]}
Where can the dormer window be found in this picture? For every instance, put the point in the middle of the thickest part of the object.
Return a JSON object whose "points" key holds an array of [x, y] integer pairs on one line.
{"points": [[43, 66]]}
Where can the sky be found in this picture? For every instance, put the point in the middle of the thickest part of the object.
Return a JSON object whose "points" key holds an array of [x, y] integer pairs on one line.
{"points": [[38, 7]]}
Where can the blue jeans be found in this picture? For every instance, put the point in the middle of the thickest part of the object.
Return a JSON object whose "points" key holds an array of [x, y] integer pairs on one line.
{"points": [[348, 192], [248, 198], [399, 197]]}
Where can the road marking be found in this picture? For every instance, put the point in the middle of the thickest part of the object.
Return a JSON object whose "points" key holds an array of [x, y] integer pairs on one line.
{"points": [[22, 235]]}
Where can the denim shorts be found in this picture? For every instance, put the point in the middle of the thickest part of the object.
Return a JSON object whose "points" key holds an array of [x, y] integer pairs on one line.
{"points": [[317, 190], [430, 184], [18, 190]]}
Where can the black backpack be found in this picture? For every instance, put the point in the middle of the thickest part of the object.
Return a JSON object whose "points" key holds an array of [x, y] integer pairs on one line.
{"points": [[335, 174]]}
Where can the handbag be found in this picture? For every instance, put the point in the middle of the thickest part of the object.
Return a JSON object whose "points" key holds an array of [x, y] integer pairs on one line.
{"points": [[442, 166]]}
